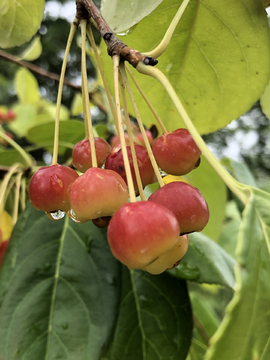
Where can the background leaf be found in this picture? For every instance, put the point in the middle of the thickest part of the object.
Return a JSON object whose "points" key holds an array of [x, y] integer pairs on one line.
{"points": [[33, 51], [154, 320], [206, 262], [247, 321], [121, 17], [217, 61], [59, 288], [26, 86], [19, 21]]}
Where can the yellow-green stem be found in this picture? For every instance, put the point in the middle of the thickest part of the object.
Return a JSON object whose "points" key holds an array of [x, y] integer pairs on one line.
{"points": [[159, 50], [235, 187], [146, 142], [159, 121], [17, 167], [131, 141], [73, 29], [130, 184], [16, 198], [28, 160], [87, 114], [105, 83], [23, 192]]}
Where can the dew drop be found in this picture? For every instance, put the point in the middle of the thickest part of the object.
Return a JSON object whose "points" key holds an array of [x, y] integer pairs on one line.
{"points": [[162, 173], [73, 217], [56, 215]]}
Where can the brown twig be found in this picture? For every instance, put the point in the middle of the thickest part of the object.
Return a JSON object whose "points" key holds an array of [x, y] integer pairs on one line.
{"points": [[87, 9]]}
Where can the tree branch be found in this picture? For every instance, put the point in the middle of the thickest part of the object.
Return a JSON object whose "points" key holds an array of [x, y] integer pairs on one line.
{"points": [[87, 9]]}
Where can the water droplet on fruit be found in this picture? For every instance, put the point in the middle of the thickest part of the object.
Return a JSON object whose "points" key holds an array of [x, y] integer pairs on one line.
{"points": [[73, 217], [56, 215], [162, 173]]}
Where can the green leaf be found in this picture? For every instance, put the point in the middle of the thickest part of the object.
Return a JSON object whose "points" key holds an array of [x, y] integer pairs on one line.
{"points": [[244, 332], [26, 86], [59, 290], [19, 21], [121, 17], [229, 235], [155, 320], [70, 132], [9, 157], [215, 193], [206, 262], [33, 51], [25, 118], [218, 61], [240, 171], [197, 350]]}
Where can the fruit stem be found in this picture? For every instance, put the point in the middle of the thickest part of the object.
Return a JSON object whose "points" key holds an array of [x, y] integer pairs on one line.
{"points": [[16, 198], [146, 142], [72, 32], [24, 154], [17, 167], [130, 135], [132, 195], [87, 113], [159, 50], [105, 83], [237, 188], [23, 192], [159, 121]]}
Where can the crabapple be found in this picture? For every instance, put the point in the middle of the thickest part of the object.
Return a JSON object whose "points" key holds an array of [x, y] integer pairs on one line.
{"points": [[81, 154], [115, 162], [176, 152], [140, 232], [97, 193], [49, 188], [3, 247], [186, 203], [169, 259], [139, 138], [115, 140]]}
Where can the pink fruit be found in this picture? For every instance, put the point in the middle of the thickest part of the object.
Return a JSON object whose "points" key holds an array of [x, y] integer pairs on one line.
{"points": [[81, 154], [186, 203], [140, 232], [115, 162], [115, 140], [169, 259], [49, 188], [97, 193], [176, 153], [139, 138]]}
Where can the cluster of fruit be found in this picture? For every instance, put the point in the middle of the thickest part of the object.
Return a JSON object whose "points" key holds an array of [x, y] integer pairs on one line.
{"points": [[149, 235], [7, 116]]}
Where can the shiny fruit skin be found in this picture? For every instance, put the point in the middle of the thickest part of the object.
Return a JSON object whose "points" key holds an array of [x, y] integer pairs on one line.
{"points": [[170, 259], [176, 153], [139, 138], [115, 140], [81, 154], [140, 232], [49, 188], [115, 162], [186, 203], [97, 193]]}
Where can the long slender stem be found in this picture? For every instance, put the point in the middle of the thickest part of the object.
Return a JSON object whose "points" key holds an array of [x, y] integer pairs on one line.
{"points": [[105, 83], [235, 187], [17, 167], [159, 121], [16, 198], [73, 29], [23, 192], [87, 114], [131, 141], [159, 50], [132, 194], [26, 157], [148, 147]]}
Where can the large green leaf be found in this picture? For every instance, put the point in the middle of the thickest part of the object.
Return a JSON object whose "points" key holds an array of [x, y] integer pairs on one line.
{"points": [[19, 21], [9, 157], [215, 193], [27, 87], [206, 262], [59, 290], [244, 333], [25, 118], [121, 16], [155, 319], [217, 61]]}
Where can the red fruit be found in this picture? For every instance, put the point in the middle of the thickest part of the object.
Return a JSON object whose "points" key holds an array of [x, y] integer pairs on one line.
{"points": [[81, 154], [97, 193], [11, 115], [176, 153], [49, 188], [115, 140], [139, 138], [170, 259], [115, 162], [186, 203], [3, 247], [140, 232]]}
